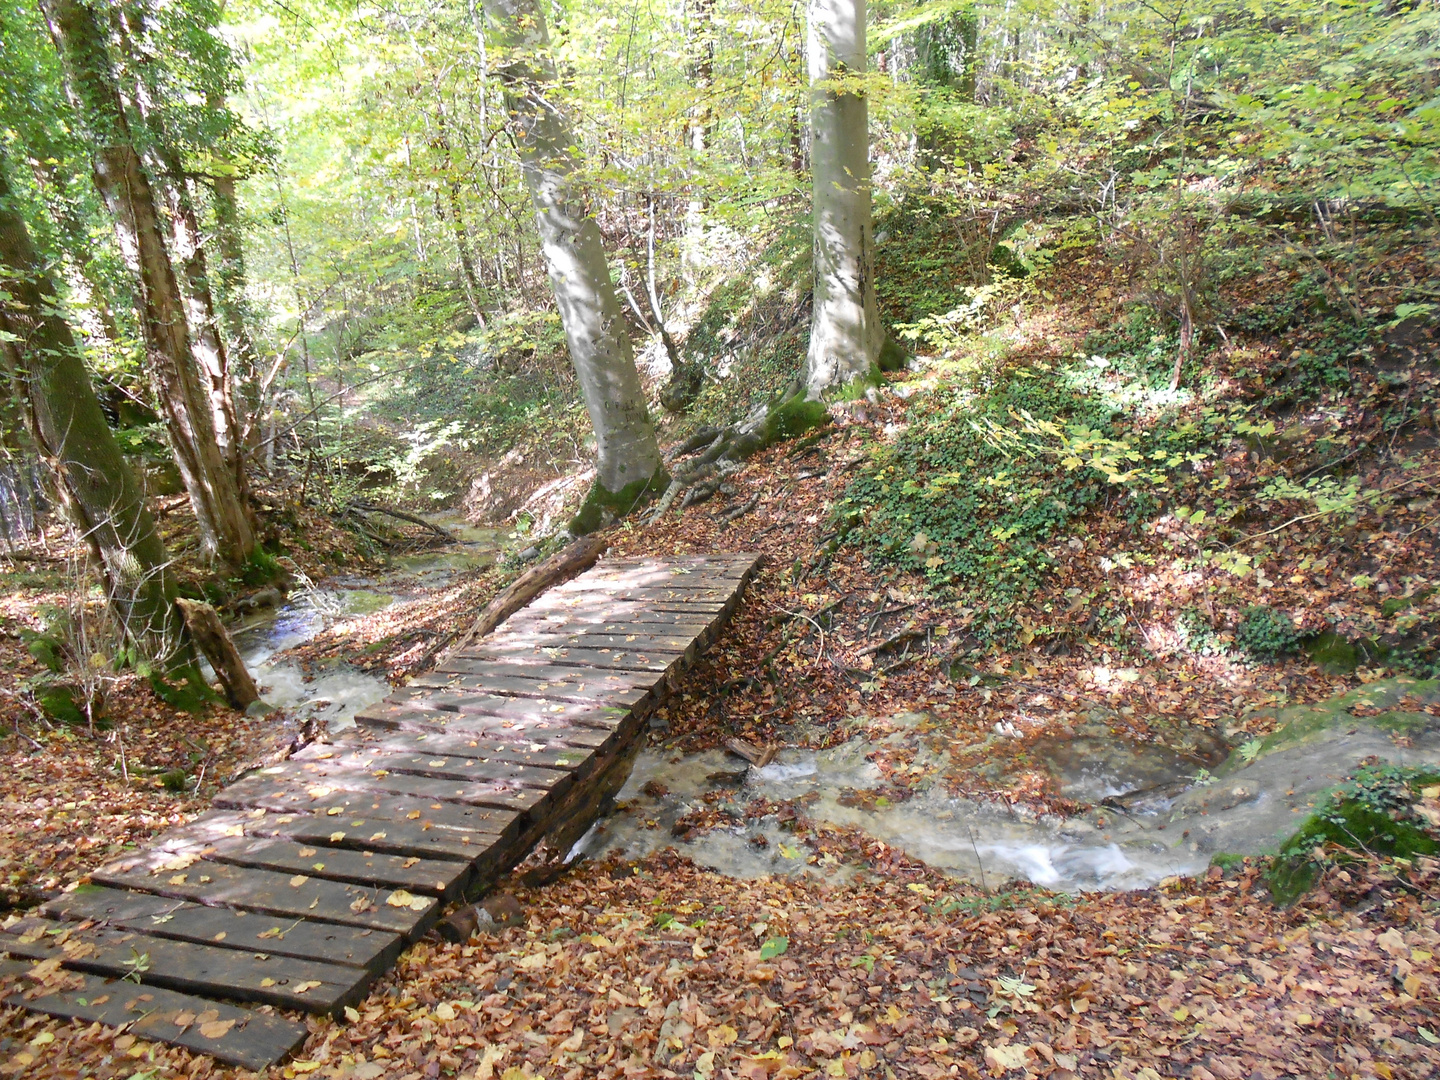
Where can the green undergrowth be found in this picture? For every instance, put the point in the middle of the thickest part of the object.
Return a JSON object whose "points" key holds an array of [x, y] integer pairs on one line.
{"points": [[1373, 813], [997, 471]]}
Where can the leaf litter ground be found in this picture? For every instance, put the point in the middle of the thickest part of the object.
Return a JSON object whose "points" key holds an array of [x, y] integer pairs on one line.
{"points": [[662, 968]]}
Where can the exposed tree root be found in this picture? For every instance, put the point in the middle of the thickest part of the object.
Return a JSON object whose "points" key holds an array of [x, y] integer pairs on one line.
{"points": [[722, 450]]}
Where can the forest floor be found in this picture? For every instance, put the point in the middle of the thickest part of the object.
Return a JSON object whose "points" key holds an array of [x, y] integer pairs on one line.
{"points": [[660, 968]]}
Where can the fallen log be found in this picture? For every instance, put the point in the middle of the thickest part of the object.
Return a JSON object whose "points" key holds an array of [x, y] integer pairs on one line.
{"points": [[565, 564], [209, 634]]}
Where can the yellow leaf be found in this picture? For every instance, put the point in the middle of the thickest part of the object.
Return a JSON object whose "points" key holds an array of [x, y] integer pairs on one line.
{"points": [[336, 837], [352, 1014], [444, 1011], [304, 1066], [306, 852], [334, 811], [307, 986], [318, 867], [298, 880], [399, 898], [377, 836], [216, 1029], [413, 814], [1413, 985], [219, 937], [178, 879], [1181, 1013]]}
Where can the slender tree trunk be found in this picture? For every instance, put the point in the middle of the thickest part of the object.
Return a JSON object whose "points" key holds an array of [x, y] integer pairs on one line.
{"points": [[628, 463], [461, 234], [100, 493], [845, 332], [235, 310], [120, 177]]}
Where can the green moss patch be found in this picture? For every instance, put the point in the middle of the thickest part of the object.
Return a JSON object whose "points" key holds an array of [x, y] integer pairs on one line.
{"points": [[1370, 814]]}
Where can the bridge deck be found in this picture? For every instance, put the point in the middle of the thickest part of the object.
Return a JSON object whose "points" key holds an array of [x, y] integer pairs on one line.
{"points": [[309, 878]]}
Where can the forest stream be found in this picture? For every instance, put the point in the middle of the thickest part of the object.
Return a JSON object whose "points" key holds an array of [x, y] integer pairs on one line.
{"points": [[1156, 813]]}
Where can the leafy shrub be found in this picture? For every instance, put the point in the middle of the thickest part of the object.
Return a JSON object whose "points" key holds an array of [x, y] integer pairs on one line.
{"points": [[1267, 633]]}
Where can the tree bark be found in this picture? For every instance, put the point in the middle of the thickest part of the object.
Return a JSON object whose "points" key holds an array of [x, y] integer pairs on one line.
{"points": [[846, 336], [99, 492], [234, 308], [209, 633], [628, 464], [125, 188]]}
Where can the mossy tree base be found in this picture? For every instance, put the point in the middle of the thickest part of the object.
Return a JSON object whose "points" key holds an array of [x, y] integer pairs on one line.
{"points": [[601, 503], [789, 417]]}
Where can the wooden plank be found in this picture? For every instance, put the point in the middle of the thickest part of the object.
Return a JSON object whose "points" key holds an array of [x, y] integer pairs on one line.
{"points": [[553, 754], [655, 594], [566, 656], [298, 896], [684, 644], [520, 676], [406, 758], [289, 785], [476, 701], [606, 579], [568, 687], [618, 606], [161, 916], [249, 1039], [432, 877], [613, 615], [538, 730], [308, 985], [364, 827]]}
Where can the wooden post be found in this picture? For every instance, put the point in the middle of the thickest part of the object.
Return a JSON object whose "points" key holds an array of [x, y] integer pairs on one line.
{"points": [[209, 633]]}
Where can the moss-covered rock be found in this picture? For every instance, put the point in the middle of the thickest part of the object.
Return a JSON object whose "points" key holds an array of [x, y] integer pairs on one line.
{"points": [[892, 356], [1300, 725], [1372, 814]]}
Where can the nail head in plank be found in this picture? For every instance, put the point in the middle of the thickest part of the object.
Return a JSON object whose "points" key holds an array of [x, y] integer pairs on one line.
{"points": [[161, 916], [249, 1039]]}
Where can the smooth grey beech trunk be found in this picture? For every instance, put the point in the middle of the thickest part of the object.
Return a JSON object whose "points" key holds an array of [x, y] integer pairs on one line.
{"points": [[124, 186], [627, 458], [846, 336], [98, 489]]}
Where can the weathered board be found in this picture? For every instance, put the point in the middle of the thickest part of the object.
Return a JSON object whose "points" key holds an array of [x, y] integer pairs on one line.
{"points": [[309, 877], [243, 1037]]}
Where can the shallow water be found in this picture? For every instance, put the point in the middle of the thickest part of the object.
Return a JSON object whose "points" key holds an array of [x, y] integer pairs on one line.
{"points": [[1183, 816], [979, 842], [336, 694]]}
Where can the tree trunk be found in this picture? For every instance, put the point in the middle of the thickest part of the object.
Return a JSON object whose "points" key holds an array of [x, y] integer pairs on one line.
{"points": [[225, 529], [209, 633], [234, 309], [100, 493], [845, 332], [628, 464]]}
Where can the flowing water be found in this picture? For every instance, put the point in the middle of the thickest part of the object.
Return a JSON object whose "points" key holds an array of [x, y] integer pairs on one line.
{"points": [[1164, 813], [336, 692]]}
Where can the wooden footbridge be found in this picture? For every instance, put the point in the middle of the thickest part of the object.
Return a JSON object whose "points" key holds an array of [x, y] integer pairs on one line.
{"points": [[309, 878]]}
